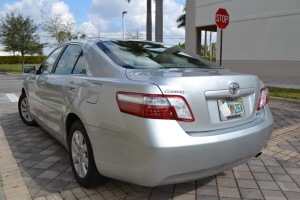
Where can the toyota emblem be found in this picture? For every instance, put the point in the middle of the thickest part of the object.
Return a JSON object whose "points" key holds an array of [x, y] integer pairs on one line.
{"points": [[234, 88]]}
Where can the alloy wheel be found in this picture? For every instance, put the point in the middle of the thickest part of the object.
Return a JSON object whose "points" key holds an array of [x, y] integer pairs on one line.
{"points": [[79, 154], [25, 110]]}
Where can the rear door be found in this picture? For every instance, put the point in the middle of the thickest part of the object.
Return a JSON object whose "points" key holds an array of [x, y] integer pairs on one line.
{"points": [[62, 85]]}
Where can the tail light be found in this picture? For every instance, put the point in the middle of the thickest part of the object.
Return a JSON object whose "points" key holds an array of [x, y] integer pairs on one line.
{"points": [[155, 106], [263, 98]]}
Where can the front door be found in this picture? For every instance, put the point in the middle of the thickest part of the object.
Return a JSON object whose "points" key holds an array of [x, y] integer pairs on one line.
{"points": [[36, 85]]}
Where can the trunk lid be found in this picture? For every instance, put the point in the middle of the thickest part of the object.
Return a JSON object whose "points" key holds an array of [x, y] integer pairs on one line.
{"points": [[205, 90]]}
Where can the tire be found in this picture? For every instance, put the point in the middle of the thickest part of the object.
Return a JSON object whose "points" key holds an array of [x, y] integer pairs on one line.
{"points": [[82, 157], [23, 106]]}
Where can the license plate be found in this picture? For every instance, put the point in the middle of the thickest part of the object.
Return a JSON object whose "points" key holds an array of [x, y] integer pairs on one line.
{"points": [[231, 109]]}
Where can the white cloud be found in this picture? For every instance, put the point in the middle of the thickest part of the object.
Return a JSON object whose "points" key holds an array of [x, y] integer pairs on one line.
{"points": [[89, 29], [34, 8], [107, 17]]}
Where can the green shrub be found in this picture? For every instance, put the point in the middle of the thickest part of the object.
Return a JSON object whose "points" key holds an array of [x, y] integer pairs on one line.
{"points": [[18, 59], [213, 59], [181, 45]]}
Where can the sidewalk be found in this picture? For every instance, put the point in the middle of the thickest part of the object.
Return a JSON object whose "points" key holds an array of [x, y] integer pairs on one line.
{"points": [[33, 164]]}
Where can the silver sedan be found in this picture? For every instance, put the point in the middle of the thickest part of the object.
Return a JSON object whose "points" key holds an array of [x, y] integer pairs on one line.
{"points": [[146, 113]]}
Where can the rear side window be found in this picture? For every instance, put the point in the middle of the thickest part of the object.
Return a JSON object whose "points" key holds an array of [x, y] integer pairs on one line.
{"points": [[147, 55], [68, 59], [80, 65], [48, 64]]}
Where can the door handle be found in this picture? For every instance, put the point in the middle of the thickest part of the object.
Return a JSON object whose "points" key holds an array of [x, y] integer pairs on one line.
{"points": [[71, 86]]}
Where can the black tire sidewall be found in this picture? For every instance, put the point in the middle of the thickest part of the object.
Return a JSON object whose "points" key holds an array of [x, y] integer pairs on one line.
{"points": [[89, 179]]}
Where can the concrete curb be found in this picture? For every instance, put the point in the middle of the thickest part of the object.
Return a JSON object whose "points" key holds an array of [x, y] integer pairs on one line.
{"points": [[290, 103]]}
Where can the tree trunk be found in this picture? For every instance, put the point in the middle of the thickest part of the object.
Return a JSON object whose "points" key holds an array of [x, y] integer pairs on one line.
{"points": [[22, 53], [149, 21], [159, 21]]}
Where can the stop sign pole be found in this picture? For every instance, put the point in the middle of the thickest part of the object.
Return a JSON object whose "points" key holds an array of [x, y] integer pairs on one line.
{"points": [[222, 21]]}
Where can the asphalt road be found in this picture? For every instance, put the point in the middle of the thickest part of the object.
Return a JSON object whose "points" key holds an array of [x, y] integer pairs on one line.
{"points": [[11, 83]]}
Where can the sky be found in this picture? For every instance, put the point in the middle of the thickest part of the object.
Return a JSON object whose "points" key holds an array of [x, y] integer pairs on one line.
{"points": [[103, 17]]}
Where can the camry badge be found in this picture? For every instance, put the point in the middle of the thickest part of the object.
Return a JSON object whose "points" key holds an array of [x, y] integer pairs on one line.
{"points": [[175, 91], [234, 88]]}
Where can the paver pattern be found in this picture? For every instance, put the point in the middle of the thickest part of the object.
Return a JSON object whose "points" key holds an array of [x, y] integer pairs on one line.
{"points": [[37, 166]]}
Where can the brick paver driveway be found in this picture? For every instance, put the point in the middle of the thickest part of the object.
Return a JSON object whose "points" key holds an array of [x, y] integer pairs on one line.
{"points": [[33, 164]]}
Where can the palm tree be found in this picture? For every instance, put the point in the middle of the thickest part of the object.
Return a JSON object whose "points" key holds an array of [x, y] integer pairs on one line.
{"points": [[159, 21], [140, 48], [181, 19], [148, 21]]}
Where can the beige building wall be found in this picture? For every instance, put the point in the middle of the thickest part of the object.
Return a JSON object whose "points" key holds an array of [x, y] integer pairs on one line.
{"points": [[259, 31]]}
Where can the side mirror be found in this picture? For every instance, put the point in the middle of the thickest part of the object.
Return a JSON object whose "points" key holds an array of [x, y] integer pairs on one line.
{"points": [[29, 69]]}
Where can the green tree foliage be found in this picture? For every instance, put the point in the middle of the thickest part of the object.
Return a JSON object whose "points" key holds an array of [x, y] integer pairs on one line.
{"points": [[181, 19], [60, 29], [17, 34], [181, 45], [139, 48]]}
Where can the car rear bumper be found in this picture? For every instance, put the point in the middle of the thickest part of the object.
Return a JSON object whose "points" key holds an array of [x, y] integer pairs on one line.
{"points": [[158, 152]]}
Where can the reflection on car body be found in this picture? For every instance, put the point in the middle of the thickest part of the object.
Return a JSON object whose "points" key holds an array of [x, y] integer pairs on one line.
{"points": [[145, 112]]}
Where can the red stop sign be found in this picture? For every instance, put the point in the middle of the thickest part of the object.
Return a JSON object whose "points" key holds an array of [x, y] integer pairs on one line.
{"points": [[222, 18]]}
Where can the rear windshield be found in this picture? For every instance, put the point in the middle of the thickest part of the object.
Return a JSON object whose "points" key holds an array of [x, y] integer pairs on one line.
{"points": [[146, 55]]}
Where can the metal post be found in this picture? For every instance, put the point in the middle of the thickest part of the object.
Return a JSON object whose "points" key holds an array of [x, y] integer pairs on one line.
{"points": [[205, 43], [221, 47], [210, 48]]}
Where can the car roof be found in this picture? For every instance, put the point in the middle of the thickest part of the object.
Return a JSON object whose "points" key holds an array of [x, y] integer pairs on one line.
{"points": [[89, 41]]}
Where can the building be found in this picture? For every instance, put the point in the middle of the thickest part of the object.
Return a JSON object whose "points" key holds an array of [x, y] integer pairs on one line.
{"points": [[262, 37]]}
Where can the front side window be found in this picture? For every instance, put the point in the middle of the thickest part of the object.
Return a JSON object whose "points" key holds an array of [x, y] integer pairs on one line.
{"points": [[48, 64], [68, 59], [147, 55]]}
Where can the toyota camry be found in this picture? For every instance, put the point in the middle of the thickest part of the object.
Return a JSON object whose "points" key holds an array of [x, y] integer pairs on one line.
{"points": [[146, 113]]}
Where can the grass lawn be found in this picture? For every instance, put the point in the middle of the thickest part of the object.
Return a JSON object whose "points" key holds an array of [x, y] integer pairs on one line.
{"points": [[13, 68], [288, 93]]}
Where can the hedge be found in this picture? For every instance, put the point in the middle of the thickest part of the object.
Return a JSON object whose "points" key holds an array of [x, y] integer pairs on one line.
{"points": [[18, 59], [212, 60]]}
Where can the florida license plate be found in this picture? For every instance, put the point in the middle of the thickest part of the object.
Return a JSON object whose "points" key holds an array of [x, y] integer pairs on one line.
{"points": [[232, 108]]}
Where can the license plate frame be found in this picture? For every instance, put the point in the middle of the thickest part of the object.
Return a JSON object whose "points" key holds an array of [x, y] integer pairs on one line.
{"points": [[236, 112]]}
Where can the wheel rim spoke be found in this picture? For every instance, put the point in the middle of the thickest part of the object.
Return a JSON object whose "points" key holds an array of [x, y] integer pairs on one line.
{"points": [[79, 169], [80, 138], [74, 148], [84, 168], [85, 161], [84, 149], [76, 138]]}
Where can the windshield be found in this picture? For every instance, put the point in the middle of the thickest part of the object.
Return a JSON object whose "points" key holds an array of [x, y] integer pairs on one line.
{"points": [[147, 55]]}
